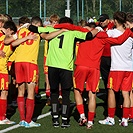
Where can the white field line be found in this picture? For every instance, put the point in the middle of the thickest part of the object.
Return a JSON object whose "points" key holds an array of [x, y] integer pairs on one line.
{"points": [[16, 126], [39, 117], [42, 95]]}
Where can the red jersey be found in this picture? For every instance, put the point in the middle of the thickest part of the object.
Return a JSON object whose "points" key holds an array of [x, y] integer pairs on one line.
{"points": [[90, 52], [107, 50]]}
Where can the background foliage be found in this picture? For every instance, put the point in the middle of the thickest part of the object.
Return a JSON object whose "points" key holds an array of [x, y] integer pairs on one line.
{"points": [[18, 8]]}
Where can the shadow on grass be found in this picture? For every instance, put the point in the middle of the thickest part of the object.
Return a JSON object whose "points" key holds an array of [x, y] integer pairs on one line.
{"points": [[102, 94], [38, 109]]}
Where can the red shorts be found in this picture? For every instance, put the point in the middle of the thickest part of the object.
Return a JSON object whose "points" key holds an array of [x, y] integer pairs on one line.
{"points": [[4, 81], [89, 75], [120, 80], [26, 72], [45, 67], [9, 64]]}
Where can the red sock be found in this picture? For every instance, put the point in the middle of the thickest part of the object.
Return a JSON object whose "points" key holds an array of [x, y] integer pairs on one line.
{"points": [[29, 109], [125, 112], [131, 113], [21, 107], [91, 116], [111, 112], [47, 93], [36, 89], [3, 108], [80, 108]]}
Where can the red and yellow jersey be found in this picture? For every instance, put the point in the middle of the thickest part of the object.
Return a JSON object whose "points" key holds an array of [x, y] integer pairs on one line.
{"points": [[45, 56], [45, 48], [28, 50], [8, 51], [12, 57], [77, 46]]}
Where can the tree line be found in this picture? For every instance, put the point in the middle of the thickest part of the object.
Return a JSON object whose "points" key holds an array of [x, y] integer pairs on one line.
{"points": [[18, 8]]}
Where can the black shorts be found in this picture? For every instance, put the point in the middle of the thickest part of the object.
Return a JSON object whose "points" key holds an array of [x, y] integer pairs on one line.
{"points": [[62, 76]]}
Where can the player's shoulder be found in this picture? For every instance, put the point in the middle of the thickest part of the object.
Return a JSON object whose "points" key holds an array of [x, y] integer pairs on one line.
{"points": [[23, 30]]}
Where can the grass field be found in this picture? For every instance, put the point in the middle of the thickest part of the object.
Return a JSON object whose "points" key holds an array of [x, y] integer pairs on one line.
{"points": [[42, 109]]}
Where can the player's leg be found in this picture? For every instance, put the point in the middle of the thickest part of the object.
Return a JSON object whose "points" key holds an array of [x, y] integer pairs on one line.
{"points": [[105, 69], [47, 89], [91, 109], [53, 76], [21, 102], [66, 85], [31, 79], [114, 83], [80, 106], [65, 107], [92, 86], [126, 107], [126, 89], [13, 90], [60, 94], [79, 80], [3, 99], [47, 86], [111, 109], [20, 76], [131, 107]]}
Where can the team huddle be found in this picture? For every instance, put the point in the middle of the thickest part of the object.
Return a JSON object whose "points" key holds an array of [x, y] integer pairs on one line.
{"points": [[104, 47]]}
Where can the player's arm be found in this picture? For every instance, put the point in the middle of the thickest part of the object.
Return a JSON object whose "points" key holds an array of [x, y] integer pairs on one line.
{"points": [[121, 39], [43, 30], [36, 29], [9, 39], [2, 53], [52, 34], [21, 40], [90, 35], [70, 27]]}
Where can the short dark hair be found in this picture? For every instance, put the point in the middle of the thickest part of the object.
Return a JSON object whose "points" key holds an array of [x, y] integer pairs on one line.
{"points": [[91, 25], [103, 17], [11, 25], [66, 20], [24, 20], [129, 17], [36, 19], [8, 16], [120, 17]]}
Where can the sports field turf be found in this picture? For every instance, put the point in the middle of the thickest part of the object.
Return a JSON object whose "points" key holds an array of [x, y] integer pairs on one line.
{"points": [[42, 110]]}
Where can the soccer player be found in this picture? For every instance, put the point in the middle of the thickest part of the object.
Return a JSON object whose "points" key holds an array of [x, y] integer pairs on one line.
{"points": [[9, 28], [87, 69], [120, 76], [3, 19], [26, 70], [60, 67], [11, 66], [129, 22], [54, 19], [106, 24]]}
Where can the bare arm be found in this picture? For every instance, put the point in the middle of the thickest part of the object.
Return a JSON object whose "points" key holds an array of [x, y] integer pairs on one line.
{"points": [[2, 53], [19, 41], [52, 34], [9, 39]]}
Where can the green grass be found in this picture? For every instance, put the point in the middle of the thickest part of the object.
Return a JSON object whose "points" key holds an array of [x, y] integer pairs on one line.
{"points": [[75, 128]]}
